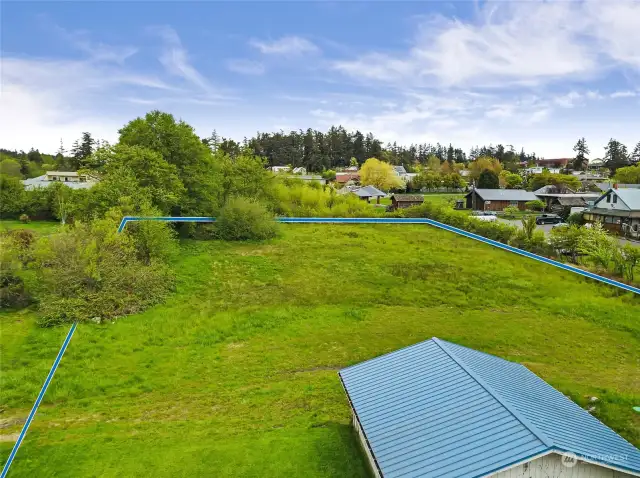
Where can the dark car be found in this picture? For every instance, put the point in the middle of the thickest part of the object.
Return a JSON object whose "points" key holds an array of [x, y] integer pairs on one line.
{"points": [[548, 219]]}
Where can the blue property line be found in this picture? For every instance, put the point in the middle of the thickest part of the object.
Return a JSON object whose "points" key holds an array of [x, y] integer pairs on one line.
{"points": [[404, 220], [25, 427]]}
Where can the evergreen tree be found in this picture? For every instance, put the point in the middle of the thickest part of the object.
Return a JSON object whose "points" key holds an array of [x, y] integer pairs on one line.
{"points": [[488, 180], [582, 151], [615, 155], [450, 156], [635, 156], [34, 156]]}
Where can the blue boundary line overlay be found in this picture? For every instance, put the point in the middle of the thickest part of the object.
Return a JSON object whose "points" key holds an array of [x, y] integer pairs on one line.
{"points": [[12, 455], [404, 220]]}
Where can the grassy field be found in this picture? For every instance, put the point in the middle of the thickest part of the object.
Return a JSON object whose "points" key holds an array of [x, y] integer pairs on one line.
{"points": [[41, 227], [236, 375]]}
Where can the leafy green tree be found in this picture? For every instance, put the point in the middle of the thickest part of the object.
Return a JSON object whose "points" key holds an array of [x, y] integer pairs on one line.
{"points": [[561, 181], [12, 197], [628, 175], [433, 163], [245, 219], [379, 174], [150, 170], [582, 151], [488, 180], [10, 167], [245, 176], [178, 144], [615, 155]]}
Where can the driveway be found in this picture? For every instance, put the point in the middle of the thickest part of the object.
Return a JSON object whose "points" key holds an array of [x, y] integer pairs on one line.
{"points": [[547, 227]]}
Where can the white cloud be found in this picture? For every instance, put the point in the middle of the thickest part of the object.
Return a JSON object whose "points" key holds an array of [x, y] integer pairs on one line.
{"points": [[246, 67], [286, 46], [624, 94], [521, 43], [569, 100]]}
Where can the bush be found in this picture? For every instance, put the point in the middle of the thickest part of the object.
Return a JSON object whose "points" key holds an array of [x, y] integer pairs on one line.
{"points": [[12, 290], [24, 219], [244, 219], [511, 211], [535, 205], [93, 271], [576, 219]]}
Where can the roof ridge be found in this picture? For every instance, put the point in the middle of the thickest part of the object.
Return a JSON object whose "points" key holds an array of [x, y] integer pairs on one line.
{"points": [[527, 424]]}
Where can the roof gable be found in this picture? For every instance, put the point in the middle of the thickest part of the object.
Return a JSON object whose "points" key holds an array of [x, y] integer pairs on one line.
{"points": [[629, 197], [505, 194], [440, 409], [369, 191]]}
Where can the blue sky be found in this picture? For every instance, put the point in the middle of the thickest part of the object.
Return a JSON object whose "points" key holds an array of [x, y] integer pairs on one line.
{"points": [[532, 74]]}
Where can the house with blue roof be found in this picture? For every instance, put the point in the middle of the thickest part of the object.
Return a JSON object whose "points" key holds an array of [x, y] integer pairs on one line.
{"points": [[441, 410]]}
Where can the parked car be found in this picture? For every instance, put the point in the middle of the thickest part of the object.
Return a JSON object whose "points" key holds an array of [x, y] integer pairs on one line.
{"points": [[484, 215], [548, 219], [560, 224]]}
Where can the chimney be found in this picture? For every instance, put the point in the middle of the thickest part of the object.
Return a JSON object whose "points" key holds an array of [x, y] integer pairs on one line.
{"points": [[615, 186]]}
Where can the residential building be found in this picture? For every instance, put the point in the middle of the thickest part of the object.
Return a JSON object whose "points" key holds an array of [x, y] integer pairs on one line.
{"points": [[402, 201], [540, 170], [437, 409], [558, 163], [299, 170], [498, 199], [617, 209], [368, 192], [71, 179], [343, 178], [557, 198], [280, 169]]}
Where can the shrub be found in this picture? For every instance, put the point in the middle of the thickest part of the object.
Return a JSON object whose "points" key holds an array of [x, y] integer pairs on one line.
{"points": [[244, 219], [93, 271], [535, 205], [24, 219], [577, 219], [511, 211]]}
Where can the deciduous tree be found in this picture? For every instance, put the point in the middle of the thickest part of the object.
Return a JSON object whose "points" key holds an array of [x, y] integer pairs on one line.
{"points": [[379, 174]]}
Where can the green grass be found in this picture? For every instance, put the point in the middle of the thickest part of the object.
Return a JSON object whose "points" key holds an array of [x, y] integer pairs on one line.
{"points": [[41, 227], [236, 374]]}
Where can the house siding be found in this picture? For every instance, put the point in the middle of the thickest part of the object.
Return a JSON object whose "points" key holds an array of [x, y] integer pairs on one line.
{"points": [[550, 466], [373, 468], [482, 205]]}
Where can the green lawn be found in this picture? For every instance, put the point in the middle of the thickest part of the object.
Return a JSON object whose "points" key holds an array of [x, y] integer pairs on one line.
{"points": [[236, 374], [41, 227]]}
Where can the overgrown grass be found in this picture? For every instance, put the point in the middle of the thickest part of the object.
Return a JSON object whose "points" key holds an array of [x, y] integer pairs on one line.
{"points": [[237, 374], [41, 227]]}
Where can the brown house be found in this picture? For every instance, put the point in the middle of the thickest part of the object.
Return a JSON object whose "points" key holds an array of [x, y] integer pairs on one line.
{"points": [[401, 201], [498, 199]]}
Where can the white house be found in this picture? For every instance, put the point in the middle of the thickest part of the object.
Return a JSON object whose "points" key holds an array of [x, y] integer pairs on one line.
{"points": [[299, 170], [71, 179], [437, 409], [280, 169], [617, 209]]}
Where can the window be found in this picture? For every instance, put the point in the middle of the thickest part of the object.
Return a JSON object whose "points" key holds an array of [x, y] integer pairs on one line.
{"points": [[608, 197], [615, 198], [513, 203]]}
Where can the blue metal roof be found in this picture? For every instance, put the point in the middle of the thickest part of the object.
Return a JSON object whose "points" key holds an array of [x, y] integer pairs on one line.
{"points": [[438, 409]]}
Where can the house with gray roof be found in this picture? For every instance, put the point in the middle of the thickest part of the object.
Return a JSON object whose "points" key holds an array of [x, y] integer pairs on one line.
{"points": [[440, 410], [498, 199], [72, 179], [618, 210], [368, 192]]}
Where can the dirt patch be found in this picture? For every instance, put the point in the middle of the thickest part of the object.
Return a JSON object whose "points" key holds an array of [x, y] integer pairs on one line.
{"points": [[315, 369], [11, 437], [9, 422]]}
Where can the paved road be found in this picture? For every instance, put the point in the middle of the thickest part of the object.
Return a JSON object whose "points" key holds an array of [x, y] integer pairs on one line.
{"points": [[547, 227]]}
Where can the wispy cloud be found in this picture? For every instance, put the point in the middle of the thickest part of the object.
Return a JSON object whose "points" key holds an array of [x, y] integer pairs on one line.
{"points": [[246, 67], [624, 94], [286, 46], [511, 43], [175, 59]]}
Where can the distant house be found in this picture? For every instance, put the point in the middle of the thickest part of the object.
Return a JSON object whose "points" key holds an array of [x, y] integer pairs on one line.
{"points": [[498, 199], [437, 409], [368, 192], [541, 169], [299, 170], [343, 178], [352, 169], [400, 171], [559, 163], [557, 198], [310, 178], [401, 201], [280, 169], [71, 179], [617, 209]]}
